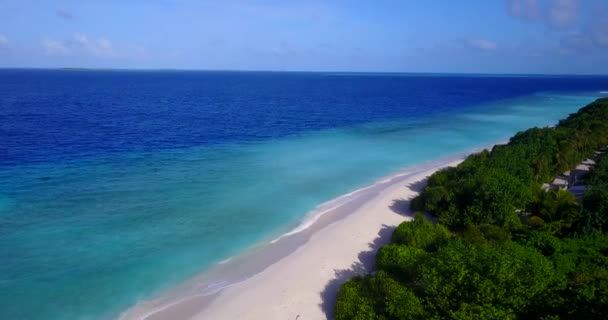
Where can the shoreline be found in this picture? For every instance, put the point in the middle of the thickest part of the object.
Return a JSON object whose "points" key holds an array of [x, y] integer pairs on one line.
{"points": [[232, 289]]}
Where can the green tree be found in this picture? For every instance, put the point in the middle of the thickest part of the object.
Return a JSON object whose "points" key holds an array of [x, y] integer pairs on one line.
{"points": [[421, 233]]}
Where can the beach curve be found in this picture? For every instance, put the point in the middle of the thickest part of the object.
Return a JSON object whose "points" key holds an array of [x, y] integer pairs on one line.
{"points": [[299, 273]]}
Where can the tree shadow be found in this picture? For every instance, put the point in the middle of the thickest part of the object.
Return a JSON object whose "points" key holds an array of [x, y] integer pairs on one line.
{"points": [[418, 185], [366, 258], [402, 206], [364, 265]]}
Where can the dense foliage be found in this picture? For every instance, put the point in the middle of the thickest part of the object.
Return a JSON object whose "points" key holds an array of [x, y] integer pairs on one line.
{"points": [[503, 248], [595, 201], [490, 186]]}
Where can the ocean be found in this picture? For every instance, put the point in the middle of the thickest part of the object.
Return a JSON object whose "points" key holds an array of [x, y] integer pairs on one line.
{"points": [[118, 185]]}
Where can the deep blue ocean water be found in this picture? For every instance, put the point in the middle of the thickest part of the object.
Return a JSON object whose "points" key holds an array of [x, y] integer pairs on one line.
{"points": [[116, 185]]}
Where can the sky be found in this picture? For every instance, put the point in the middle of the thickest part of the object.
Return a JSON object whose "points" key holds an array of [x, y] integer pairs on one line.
{"points": [[466, 36]]}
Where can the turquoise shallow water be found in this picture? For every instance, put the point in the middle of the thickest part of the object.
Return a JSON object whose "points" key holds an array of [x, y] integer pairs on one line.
{"points": [[87, 237]]}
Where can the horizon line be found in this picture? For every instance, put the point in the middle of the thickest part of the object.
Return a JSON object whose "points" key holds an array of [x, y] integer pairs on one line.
{"points": [[301, 71]]}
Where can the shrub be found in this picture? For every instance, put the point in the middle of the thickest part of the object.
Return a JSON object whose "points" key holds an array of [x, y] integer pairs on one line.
{"points": [[420, 233], [397, 259], [354, 301]]}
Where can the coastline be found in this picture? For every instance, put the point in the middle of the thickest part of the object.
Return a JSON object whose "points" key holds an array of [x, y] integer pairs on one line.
{"points": [[182, 198], [299, 272]]}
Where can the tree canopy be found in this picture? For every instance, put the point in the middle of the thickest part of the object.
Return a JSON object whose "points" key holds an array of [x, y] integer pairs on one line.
{"points": [[502, 248]]}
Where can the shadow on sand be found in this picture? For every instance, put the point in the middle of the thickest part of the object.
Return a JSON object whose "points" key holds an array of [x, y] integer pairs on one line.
{"points": [[402, 206], [366, 258]]}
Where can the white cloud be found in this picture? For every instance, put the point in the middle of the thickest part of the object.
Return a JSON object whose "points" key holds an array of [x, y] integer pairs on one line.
{"points": [[575, 41], [599, 26], [482, 44], [3, 42], [593, 36], [524, 9], [98, 47], [55, 48], [556, 14], [577, 31], [80, 44], [562, 13]]}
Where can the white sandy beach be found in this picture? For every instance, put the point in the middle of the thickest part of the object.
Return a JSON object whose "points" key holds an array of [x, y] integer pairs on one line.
{"points": [[303, 284]]}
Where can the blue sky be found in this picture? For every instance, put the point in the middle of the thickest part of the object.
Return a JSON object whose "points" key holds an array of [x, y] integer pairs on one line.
{"points": [[487, 36]]}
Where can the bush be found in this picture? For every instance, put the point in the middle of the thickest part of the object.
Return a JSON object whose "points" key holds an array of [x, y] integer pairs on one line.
{"points": [[377, 297], [398, 259], [544, 242], [399, 301], [505, 276], [355, 301], [484, 234], [421, 234]]}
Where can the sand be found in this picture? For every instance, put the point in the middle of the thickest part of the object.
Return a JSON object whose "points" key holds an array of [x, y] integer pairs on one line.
{"points": [[298, 276]]}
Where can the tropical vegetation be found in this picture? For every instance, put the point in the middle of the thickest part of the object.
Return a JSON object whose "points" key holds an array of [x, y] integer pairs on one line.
{"points": [[502, 247]]}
